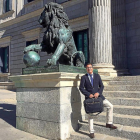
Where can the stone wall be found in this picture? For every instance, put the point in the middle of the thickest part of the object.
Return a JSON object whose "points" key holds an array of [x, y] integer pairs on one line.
{"points": [[18, 42], [77, 10], [133, 35], [119, 34]]}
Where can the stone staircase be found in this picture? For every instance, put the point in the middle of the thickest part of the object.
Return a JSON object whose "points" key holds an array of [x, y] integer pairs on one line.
{"points": [[5, 83], [124, 93]]}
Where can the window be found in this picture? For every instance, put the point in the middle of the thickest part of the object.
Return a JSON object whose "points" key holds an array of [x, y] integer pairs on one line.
{"points": [[4, 59], [7, 5], [81, 41], [31, 42], [61, 1], [30, 0]]}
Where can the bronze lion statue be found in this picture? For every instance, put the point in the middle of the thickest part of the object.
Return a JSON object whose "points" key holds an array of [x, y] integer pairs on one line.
{"points": [[57, 39]]}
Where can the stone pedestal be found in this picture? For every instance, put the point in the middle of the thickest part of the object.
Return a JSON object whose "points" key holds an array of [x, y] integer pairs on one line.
{"points": [[49, 105], [100, 36]]}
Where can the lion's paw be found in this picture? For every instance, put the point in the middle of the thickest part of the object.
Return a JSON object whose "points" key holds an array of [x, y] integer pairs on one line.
{"points": [[52, 61]]}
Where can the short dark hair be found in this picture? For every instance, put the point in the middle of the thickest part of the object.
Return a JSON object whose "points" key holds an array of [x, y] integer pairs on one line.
{"points": [[88, 64]]}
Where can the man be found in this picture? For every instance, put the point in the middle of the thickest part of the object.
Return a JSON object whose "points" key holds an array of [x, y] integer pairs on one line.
{"points": [[91, 86]]}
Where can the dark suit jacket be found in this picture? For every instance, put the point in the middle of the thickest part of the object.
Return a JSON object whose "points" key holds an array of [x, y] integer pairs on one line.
{"points": [[86, 87]]}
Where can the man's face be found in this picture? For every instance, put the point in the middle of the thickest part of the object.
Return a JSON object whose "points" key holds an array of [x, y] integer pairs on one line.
{"points": [[89, 69]]}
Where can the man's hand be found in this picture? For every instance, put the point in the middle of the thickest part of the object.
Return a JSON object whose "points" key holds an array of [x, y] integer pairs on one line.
{"points": [[96, 95], [91, 96]]}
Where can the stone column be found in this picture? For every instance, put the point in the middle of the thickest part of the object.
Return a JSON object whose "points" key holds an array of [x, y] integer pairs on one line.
{"points": [[1, 7], [48, 104], [100, 36]]}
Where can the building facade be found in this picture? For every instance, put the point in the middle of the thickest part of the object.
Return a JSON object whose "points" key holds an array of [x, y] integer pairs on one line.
{"points": [[107, 31]]}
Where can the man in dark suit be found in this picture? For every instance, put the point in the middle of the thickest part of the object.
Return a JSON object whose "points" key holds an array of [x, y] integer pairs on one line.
{"points": [[91, 86]]}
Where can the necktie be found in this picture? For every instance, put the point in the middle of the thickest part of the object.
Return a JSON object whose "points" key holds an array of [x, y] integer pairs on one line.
{"points": [[91, 79]]}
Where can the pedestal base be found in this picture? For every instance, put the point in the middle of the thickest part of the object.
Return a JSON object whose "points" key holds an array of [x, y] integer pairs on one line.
{"points": [[123, 72], [105, 69], [53, 68], [49, 105]]}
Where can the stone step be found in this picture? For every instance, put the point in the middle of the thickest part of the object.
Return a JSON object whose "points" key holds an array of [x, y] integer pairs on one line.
{"points": [[127, 78], [124, 101], [84, 135], [4, 77], [129, 110], [123, 94], [126, 110], [134, 82], [128, 132], [122, 119], [7, 85], [122, 88]]}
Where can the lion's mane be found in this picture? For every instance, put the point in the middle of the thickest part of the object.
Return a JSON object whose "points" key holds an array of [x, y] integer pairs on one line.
{"points": [[57, 19]]}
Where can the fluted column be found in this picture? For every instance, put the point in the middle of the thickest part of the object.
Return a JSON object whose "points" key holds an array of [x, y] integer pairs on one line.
{"points": [[1, 7], [100, 34]]}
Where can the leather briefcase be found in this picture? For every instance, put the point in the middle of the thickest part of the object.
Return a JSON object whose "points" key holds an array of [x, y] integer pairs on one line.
{"points": [[93, 105]]}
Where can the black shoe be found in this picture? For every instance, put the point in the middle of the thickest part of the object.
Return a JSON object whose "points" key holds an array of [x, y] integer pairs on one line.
{"points": [[91, 135], [111, 126]]}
